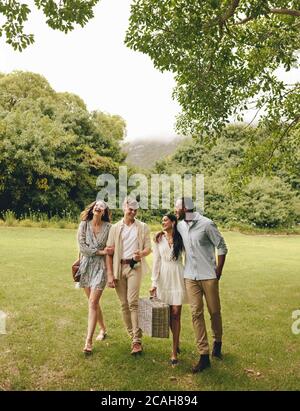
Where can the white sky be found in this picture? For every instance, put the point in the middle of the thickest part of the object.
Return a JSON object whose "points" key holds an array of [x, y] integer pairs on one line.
{"points": [[94, 63]]}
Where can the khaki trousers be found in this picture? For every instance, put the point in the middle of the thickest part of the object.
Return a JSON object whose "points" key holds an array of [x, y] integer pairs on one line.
{"points": [[128, 290], [195, 291]]}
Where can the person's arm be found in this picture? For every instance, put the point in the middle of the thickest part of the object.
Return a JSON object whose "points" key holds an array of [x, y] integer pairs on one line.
{"points": [[220, 265], [155, 268], [141, 254], [138, 255], [106, 251], [147, 242], [110, 244], [101, 252], [81, 237], [111, 281], [218, 241]]}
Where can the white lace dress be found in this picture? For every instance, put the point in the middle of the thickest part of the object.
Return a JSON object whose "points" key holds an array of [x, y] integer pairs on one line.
{"points": [[167, 274]]}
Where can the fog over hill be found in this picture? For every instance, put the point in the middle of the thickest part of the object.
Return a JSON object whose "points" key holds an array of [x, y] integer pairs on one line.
{"points": [[145, 152]]}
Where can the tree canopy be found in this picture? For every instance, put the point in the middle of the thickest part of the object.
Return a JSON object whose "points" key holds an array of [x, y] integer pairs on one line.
{"points": [[52, 149], [60, 15], [225, 55], [265, 201]]}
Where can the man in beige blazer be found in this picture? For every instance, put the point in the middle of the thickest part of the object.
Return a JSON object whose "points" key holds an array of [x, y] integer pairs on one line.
{"points": [[130, 239]]}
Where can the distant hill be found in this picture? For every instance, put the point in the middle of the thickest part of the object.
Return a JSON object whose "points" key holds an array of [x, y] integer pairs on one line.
{"points": [[144, 153]]}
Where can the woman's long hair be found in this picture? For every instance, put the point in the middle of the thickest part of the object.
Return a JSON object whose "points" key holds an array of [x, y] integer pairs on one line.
{"points": [[177, 240], [87, 213]]}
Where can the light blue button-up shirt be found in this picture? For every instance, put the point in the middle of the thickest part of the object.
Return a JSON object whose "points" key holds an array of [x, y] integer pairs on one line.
{"points": [[201, 239]]}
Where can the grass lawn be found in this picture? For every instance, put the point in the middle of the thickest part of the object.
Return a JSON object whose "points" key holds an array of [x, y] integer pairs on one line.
{"points": [[47, 319]]}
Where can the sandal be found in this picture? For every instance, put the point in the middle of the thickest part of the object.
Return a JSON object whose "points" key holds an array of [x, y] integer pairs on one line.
{"points": [[173, 361], [88, 348], [102, 335]]}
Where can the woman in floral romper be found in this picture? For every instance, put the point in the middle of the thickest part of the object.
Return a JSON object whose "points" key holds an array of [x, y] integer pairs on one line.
{"points": [[92, 236]]}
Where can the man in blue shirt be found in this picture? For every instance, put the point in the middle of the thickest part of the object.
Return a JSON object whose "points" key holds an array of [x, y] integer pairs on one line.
{"points": [[202, 273]]}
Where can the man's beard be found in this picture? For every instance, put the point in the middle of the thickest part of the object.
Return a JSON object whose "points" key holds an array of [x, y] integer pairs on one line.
{"points": [[181, 216]]}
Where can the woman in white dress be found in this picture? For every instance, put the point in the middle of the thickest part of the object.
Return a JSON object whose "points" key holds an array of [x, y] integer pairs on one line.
{"points": [[167, 275]]}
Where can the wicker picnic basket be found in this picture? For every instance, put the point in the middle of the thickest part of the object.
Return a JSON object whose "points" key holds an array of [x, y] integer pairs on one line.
{"points": [[154, 317]]}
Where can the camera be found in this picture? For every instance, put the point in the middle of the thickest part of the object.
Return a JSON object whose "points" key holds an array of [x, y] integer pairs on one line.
{"points": [[132, 263]]}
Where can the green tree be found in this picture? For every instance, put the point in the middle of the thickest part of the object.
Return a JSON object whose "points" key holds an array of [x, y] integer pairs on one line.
{"points": [[225, 55], [60, 15], [267, 201], [51, 148], [113, 126]]}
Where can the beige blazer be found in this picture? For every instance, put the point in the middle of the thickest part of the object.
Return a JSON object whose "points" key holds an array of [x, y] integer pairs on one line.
{"points": [[115, 239]]}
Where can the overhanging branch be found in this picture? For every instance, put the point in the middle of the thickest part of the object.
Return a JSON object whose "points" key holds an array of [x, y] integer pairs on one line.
{"points": [[230, 12], [283, 135], [287, 12]]}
